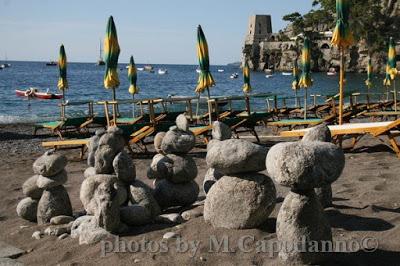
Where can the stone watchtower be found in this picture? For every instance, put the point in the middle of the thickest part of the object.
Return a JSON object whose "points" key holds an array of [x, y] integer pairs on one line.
{"points": [[259, 29]]}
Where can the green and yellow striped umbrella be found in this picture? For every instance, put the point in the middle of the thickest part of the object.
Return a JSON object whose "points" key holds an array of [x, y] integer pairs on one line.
{"points": [[296, 78], [305, 79], [392, 59], [342, 36], [246, 78], [132, 76], [368, 82], [387, 81], [62, 66], [205, 78], [111, 52]]}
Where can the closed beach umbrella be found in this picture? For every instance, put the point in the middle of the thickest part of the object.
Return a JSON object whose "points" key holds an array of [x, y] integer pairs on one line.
{"points": [[305, 79], [391, 65], [368, 82], [132, 76], [342, 38], [387, 81], [296, 79], [205, 78], [246, 79], [111, 52], [62, 66]]}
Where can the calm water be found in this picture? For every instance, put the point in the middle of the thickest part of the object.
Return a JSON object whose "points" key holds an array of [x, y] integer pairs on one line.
{"points": [[86, 83]]}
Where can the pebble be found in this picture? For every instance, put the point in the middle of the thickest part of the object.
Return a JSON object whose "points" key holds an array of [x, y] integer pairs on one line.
{"points": [[203, 259], [23, 226], [136, 261], [171, 218], [170, 235], [37, 235]]}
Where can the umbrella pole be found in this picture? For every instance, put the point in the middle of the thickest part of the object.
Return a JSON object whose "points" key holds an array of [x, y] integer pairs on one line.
{"points": [[395, 95], [295, 98], [341, 85], [133, 105], [209, 106], [305, 103], [114, 108]]}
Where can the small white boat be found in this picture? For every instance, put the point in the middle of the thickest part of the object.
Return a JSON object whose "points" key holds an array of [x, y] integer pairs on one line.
{"points": [[198, 70], [140, 68], [286, 74], [221, 70], [162, 71], [234, 76], [331, 72], [269, 76], [268, 71]]}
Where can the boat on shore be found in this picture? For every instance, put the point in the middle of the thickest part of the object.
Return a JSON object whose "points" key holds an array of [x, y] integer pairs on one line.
{"points": [[162, 71], [51, 63], [35, 93]]}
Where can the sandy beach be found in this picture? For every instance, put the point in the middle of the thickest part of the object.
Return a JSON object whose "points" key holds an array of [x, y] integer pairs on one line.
{"points": [[366, 206]]}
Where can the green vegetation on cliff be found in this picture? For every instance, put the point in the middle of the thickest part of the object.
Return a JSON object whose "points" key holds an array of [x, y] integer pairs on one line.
{"points": [[371, 20]]}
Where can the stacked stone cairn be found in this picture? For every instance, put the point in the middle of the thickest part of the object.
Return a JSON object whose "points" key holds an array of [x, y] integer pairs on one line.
{"points": [[172, 169], [111, 196], [45, 194], [301, 222], [238, 197]]}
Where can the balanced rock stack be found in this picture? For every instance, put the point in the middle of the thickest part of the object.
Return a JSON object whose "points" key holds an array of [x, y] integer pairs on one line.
{"points": [[111, 196], [303, 166], [238, 196], [321, 133], [172, 168], [46, 195]]}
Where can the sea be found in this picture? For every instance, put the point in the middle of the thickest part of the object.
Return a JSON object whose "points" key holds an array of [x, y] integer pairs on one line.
{"points": [[86, 83]]}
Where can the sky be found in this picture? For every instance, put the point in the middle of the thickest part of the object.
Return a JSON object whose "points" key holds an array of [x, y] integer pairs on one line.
{"points": [[156, 31]]}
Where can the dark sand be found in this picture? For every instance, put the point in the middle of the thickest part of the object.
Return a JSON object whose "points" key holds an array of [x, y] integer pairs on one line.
{"points": [[366, 204]]}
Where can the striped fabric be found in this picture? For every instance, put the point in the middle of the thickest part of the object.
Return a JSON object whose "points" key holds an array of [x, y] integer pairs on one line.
{"points": [[205, 78], [368, 82], [342, 35], [62, 66], [111, 52], [246, 78], [296, 78], [392, 59], [132, 76], [305, 79]]}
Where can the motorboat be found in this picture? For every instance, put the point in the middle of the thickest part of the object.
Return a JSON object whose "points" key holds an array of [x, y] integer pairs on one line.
{"points": [[269, 76], [162, 71], [221, 70], [286, 74], [234, 76], [198, 70], [140, 68], [35, 93], [148, 68], [331, 72], [51, 63]]}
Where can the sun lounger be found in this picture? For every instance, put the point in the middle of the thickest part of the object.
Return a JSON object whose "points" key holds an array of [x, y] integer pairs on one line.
{"points": [[358, 130], [62, 126], [68, 144]]}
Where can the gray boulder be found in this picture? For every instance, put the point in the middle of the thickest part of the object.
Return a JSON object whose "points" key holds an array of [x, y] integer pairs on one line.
{"points": [[124, 168], [175, 168], [240, 202], [221, 131], [86, 229], [49, 164], [234, 156], [301, 219], [104, 158], [210, 178], [177, 141], [318, 133], [93, 145], [90, 171], [76, 227], [54, 202], [142, 195], [324, 195], [305, 165], [62, 219], [169, 194], [182, 123], [211, 143], [30, 188], [53, 181], [91, 184], [27, 209], [135, 215], [158, 140]]}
